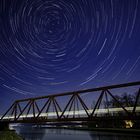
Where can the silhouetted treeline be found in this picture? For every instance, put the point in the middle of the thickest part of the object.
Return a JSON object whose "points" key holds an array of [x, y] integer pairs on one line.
{"points": [[126, 100]]}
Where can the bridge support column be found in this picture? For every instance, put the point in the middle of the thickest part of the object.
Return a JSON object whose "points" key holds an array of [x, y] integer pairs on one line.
{"points": [[4, 126]]}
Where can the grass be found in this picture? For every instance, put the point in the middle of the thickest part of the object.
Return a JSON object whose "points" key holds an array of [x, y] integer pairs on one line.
{"points": [[9, 135]]}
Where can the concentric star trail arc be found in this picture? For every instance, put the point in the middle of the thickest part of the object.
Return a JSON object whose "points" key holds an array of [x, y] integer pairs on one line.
{"points": [[60, 45]]}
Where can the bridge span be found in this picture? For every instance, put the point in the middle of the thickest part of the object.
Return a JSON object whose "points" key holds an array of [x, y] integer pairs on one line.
{"points": [[75, 106]]}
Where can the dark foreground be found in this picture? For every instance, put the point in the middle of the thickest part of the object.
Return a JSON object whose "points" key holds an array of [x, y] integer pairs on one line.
{"points": [[9, 135]]}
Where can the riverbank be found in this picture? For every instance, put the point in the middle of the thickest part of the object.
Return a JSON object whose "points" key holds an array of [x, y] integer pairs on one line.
{"points": [[9, 135]]}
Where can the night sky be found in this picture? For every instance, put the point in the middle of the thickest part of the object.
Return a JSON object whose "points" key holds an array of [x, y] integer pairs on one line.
{"points": [[52, 46]]}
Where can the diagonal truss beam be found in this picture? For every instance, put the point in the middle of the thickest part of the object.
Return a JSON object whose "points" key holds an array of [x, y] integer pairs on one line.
{"points": [[97, 103], [136, 102], [118, 102]]}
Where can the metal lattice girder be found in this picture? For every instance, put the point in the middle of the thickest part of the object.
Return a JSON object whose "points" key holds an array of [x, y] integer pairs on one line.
{"points": [[31, 105], [73, 101], [23, 109]]}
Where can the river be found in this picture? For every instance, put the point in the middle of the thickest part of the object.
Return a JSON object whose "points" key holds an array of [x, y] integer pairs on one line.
{"points": [[33, 133]]}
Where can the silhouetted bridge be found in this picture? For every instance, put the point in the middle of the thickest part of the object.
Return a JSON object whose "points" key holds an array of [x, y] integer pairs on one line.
{"points": [[75, 106]]}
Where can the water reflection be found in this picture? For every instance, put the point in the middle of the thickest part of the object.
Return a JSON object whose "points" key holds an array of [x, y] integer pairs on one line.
{"points": [[112, 136], [32, 133]]}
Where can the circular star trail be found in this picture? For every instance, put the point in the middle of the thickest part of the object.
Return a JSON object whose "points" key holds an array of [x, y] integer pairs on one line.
{"points": [[56, 45]]}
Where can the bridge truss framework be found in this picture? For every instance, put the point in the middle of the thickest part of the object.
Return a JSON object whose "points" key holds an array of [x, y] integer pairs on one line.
{"points": [[30, 111]]}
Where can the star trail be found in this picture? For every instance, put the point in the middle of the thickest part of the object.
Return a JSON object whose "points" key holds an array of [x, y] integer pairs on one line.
{"points": [[51, 46]]}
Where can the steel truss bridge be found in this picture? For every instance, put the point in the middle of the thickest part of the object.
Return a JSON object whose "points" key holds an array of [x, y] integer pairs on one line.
{"points": [[71, 106]]}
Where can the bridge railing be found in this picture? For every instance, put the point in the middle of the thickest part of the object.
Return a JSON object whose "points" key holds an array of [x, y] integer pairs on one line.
{"points": [[75, 106]]}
